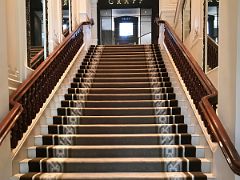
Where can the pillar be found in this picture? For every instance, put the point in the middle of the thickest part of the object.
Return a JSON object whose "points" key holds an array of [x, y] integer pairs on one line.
{"points": [[4, 94], [228, 69], [94, 27], [5, 155], [54, 24], [16, 38]]}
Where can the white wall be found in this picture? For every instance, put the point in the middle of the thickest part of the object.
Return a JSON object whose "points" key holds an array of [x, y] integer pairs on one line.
{"points": [[194, 42], [4, 94], [229, 69], [228, 65]]}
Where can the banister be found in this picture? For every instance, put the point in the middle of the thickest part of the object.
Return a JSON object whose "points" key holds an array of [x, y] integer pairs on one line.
{"points": [[204, 95], [37, 59], [144, 35], [26, 102], [6, 125], [35, 75], [212, 53]]}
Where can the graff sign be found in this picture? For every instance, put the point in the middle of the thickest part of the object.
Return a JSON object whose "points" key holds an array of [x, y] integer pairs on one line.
{"points": [[126, 2]]}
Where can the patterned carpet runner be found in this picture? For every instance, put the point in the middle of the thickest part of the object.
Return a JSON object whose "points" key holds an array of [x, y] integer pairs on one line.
{"points": [[120, 120]]}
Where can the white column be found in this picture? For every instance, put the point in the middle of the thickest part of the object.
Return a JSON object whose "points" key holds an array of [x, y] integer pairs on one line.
{"points": [[94, 27], [228, 61], [4, 94], [74, 14], [17, 46], [5, 155], [83, 11], [237, 130], [54, 23]]}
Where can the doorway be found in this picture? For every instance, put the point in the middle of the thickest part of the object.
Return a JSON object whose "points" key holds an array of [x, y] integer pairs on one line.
{"points": [[126, 26], [126, 30]]}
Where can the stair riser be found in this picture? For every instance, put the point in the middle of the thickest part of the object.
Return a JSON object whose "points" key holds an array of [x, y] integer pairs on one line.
{"points": [[105, 97], [118, 85], [139, 53], [121, 91], [117, 112], [127, 71], [120, 67], [119, 152], [123, 75], [119, 104], [116, 120], [118, 80], [194, 166], [131, 140], [118, 130], [124, 176]]}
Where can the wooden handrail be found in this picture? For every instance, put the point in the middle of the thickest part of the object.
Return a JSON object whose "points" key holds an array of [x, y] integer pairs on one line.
{"points": [[204, 95], [26, 102]]}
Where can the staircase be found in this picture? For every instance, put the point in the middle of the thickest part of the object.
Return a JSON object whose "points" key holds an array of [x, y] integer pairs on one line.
{"points": [[121, 121]]}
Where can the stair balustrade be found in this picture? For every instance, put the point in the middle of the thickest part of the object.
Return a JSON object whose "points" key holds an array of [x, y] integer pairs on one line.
{"points": [[212, 53], [203, 93], [26, 102], [37, 59]]}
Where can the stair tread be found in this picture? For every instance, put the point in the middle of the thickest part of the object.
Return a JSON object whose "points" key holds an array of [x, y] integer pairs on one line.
{"points": [[119, 101], [117, 146], [118, 125], [118, 108], [116, 82], [120, 135], [140, 94], [120, 175], [108, 160]]}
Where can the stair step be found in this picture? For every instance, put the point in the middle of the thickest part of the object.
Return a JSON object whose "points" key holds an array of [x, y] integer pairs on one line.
{"points": [[169, 119], [122, 75], [122, 63], [144, 70], [120, 91], [142, 53], [117, 151], [122, 103], [119, 67], [118, 111], [106, 97], [119, 176], [120, 80], [119, 85], [72, 165], [114, 129], [117, 139]]}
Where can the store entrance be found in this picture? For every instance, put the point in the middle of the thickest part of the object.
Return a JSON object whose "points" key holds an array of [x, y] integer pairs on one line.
{"points": [[125, 26], [126, 30]]}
